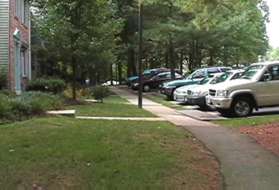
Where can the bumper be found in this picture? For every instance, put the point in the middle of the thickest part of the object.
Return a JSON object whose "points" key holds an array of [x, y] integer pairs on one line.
{"points": [[200, 101], [180, 98], [222, 103]]}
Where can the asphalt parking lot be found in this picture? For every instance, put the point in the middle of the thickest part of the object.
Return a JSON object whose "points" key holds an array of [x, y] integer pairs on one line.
{"points": [[195, 113]]}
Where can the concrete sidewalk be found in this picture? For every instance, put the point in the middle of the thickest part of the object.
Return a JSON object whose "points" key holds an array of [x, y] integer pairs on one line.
{"points": [[244, 164]]}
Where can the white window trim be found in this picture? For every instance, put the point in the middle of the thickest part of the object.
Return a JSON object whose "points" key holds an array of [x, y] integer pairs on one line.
{"points": [[22, 11]]}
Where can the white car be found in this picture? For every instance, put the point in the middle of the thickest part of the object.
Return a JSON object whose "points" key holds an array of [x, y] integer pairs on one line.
{"points": [[198, 94], [181, 94], [110, 83], [258, 87]]}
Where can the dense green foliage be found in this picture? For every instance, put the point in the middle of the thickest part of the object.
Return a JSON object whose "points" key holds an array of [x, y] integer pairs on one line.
{"points": [[55, 86], [3, 79], [97, 40], [80, 36], [27, 105], [100, 92], [273, 54]]}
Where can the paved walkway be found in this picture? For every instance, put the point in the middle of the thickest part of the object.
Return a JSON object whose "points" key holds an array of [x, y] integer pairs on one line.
{"points": [[244, 164]]}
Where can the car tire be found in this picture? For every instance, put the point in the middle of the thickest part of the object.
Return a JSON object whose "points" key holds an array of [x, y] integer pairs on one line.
{"points": [[242, 107], [204, 108], [170, 98], [225, 113], [146, 88]]}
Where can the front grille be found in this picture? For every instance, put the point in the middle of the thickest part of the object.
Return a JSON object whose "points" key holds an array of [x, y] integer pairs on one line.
{"points": [[212, 92]]}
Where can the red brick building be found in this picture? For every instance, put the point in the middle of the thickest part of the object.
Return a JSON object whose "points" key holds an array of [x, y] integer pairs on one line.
{"points": [[15, 49]]}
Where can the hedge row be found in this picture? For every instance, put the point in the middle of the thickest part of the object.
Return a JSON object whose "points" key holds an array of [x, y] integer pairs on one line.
{"points": [[55, 86], [28, 104]]}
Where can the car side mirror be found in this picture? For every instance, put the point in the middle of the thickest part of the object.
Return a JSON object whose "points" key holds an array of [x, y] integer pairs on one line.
{"points": [[267, 77]]}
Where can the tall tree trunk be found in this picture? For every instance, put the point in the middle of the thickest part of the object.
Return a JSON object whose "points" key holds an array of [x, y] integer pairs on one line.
{"points": [[167, 58], [225, 56], [198, 54], [75, 21], [172, 61], [119, 68], [111, 74], [181, 61], [74, 77], [92, 76], [192, 56], [98, 77], [211, 57], [36, 71], [132, 70]]}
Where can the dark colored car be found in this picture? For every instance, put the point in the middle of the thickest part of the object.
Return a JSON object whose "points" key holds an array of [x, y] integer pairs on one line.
{"points": [[156, 81], [169, 88], [147, 74]]}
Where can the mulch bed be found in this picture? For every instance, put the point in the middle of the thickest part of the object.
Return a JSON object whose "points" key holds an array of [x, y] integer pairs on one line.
{"points": [[266, 135]]}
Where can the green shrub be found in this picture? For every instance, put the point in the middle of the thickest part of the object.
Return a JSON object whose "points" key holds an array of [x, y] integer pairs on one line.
{"points": [[7, 93], [3, 80], [27, 105], [81, 93], [100, 92], [41, 102], [19, 109], [55, 86], [5, 107]]}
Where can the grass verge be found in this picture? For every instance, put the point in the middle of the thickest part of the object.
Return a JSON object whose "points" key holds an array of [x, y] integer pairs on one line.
{"points": [[113, 106], [252, 121], [161, 99], [63, 153]]}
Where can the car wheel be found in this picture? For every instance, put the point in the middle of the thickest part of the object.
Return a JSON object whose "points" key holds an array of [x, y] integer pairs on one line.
{"points": [[170, 98], [225, 113], [242, 107], [204, 108], [146, 88]]}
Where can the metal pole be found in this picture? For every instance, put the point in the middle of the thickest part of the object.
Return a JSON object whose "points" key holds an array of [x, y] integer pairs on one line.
{"points": [[140, 54]]}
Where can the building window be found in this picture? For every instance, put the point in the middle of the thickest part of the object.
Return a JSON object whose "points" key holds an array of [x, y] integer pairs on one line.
{"points": [[23, 11], [24, 62]]}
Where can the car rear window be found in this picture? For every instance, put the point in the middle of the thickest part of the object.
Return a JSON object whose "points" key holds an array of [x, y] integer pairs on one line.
{"points": [[221, 78], [224, 69], [251, 71], [213, 70]]}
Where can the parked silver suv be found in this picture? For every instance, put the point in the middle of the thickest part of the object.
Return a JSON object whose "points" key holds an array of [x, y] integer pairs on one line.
{"points": [[258, 87]]}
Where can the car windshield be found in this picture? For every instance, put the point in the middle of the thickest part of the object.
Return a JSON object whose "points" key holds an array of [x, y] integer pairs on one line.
{"points": [[251, 72], [221, 78], [147, 72], [205, 81], [197, 75]]}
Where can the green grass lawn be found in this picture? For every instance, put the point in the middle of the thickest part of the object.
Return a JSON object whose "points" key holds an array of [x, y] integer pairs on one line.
{"points": [[252, 121], [113, 106], [161, 99], [64, 153]]}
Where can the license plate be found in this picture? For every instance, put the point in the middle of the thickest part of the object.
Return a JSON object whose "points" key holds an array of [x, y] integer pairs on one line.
{"points": [[180, 99]]}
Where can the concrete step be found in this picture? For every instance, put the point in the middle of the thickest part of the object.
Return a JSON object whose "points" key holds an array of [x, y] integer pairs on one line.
{"points": [[70, 113]]}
